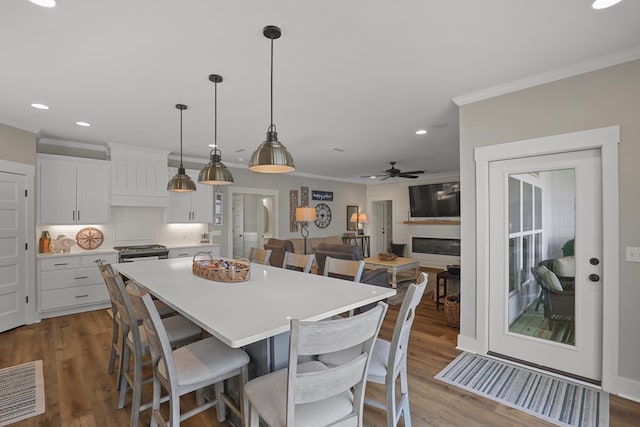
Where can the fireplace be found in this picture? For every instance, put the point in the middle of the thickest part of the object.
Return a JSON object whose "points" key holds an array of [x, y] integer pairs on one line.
{"points": [[435, 245]]}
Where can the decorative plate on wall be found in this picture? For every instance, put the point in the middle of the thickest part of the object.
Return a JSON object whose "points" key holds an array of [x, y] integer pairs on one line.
{"points": [[89, 238]]}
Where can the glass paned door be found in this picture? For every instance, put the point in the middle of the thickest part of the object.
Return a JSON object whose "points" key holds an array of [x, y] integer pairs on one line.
{"points": [[544, 227]]}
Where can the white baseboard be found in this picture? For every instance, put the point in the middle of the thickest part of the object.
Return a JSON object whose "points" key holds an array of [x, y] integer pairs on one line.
{"points": [[468, 344], [627, 388]]}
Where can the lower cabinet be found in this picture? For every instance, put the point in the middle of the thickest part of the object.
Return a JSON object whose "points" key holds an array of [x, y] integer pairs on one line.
{"points": [[190, 251], [71, 284]]}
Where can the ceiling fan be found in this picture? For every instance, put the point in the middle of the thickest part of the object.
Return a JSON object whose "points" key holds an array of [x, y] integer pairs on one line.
{"points": [[393, 172]]}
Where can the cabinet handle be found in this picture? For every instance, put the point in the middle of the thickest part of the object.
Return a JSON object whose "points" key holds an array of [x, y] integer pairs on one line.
{"points": [[81, 277], [78, 215], [82, 296], [61, 263], [74, 215]]}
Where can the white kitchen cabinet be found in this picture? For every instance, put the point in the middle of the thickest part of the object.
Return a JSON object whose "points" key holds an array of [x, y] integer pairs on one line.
{"points": [[193, 207], [190, 251], [71, 284], [73, 190]]}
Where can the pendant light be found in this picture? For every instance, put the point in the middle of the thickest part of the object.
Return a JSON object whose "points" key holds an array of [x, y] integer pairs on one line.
{"points": [[181, 183], [271, 156], [215, 172]]}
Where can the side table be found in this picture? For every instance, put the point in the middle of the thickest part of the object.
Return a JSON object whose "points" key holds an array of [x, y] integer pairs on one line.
{"points": [[441, 279]]}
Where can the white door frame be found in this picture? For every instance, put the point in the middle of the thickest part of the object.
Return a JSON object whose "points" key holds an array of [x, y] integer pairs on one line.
{"points": [[31, 315], [605, 139], [370, 201], [253, 191]]}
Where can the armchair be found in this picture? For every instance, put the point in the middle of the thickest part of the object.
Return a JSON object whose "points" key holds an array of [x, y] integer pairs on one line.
{"points": [[559, 302], [278, 248]]}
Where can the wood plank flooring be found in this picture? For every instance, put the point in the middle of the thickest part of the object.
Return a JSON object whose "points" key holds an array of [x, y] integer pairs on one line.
{"points": [[79, 392]]}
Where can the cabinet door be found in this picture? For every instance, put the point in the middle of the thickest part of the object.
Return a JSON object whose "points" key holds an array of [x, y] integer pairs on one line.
{"points": [[92, 194], [201, 202], [57, 191]]}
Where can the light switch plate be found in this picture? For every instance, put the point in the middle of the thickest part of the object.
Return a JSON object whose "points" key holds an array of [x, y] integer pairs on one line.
{"points": [[633, 254]]}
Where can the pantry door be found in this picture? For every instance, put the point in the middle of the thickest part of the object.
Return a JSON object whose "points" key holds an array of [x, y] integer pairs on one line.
{"points": [[546, 211]]}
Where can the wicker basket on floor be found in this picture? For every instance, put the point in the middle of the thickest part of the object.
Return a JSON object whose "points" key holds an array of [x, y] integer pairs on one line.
{"points": [[452, 310]]}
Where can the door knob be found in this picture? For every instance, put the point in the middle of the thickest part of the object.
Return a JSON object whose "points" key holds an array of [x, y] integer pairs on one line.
{"points": [[594, 261], [594, 277]]}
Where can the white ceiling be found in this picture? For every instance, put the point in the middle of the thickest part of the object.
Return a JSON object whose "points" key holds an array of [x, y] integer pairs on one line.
{"points": [[359, 75]]}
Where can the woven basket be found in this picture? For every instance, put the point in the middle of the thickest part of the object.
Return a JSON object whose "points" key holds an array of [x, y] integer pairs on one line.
{"points": [[220, 270], [452, 310]]}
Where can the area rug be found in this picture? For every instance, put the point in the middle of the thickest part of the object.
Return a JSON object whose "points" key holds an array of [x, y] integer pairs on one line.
{"points": [[552, 399], [21, 392]]}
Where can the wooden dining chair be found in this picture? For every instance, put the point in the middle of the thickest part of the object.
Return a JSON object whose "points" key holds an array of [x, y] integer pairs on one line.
{"points": [[191, 368], [260, 256], [389, 359], [297, 262], [343, 268], [181, 332], [311, 393]]}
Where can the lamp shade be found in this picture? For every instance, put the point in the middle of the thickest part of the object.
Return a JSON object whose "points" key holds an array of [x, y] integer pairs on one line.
{"points": [[305, 214], [271, 156], [358, 217], [215, 172], [181, 183]]}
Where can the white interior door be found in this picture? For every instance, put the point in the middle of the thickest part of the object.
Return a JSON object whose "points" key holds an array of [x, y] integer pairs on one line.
{"points": [[12, 251], [537, 207], [238, 226]]}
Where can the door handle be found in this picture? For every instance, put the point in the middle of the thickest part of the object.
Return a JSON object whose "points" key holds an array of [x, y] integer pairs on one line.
{"points": [[594, 261], [594, 277]]}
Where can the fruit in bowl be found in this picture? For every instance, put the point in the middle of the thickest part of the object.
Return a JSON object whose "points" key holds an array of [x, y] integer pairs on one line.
{"points": [[387, 256]]}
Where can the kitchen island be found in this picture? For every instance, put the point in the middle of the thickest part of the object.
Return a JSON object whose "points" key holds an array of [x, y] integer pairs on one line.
{"points": [[253, 314]]}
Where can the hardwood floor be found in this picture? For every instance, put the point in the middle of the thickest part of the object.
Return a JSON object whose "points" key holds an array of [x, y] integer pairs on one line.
{"points": [[79, 392]]}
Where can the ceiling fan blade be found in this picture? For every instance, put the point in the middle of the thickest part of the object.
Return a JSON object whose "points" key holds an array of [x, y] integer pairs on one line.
{"points": [[412, 173], [386, 177]]}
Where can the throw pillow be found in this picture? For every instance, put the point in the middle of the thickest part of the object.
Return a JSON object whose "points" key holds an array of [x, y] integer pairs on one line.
{"points": [[565, 266], [549, 278]]}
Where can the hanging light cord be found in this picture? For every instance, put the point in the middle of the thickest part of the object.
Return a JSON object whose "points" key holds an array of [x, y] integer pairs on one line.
{"points": [[181, 165], [272, 126], [215, 116]]}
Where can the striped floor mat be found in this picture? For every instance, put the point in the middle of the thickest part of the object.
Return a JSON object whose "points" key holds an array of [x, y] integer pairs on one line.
{"points": [[21, 392], [550, 398]]}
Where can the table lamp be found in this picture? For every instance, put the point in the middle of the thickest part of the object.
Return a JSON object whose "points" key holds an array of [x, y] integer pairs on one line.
{"points": [[303, 216], [359, 218]]}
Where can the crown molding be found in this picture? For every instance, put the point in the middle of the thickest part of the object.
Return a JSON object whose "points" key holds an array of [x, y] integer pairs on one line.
{"points": [[551, 76]]}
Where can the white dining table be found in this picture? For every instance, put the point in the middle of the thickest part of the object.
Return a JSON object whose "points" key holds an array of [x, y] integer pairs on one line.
{"points": [[243, 313]]}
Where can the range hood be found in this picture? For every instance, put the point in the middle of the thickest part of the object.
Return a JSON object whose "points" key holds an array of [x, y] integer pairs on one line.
{"points": [[138, 176]]}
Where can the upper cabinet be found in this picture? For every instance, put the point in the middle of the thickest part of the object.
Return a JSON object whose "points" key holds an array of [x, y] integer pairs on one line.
{"points": [[194, 207], [72, 190], [138, 176]]}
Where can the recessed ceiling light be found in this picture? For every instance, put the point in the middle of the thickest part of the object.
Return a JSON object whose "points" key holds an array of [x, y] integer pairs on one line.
{"points": [[40, 106], [603, 4], [44, 3], [212, 145], [83, 124], [421, 132], [372, 177], [240, 159]]}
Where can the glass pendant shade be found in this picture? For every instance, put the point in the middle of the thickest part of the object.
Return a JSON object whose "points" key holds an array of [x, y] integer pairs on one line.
{"points": [[271, 156], [181, 182], [215, 172]]}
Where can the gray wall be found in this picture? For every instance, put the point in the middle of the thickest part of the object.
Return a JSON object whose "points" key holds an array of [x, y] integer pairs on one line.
{"points": [[17, 145], [597, 99]]}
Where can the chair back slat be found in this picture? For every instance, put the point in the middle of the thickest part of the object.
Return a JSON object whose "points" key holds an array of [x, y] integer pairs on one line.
{"points": [[314, 386], [298, 262], [260, 256], [343, 268]]}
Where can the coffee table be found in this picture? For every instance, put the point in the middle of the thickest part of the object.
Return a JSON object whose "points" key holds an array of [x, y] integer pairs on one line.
{"points": [[394, 267]]}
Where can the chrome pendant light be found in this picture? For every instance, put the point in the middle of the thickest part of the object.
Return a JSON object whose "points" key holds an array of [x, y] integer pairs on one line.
{"points": [[215, 172], [271, 156], [181, 183]]}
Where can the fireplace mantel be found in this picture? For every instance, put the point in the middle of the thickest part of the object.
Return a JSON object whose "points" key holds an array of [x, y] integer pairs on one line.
{"points": [[433, 222]]}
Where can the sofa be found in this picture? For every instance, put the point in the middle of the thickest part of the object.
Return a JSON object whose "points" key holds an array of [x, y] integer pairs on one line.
{"points": [[313, 242]]}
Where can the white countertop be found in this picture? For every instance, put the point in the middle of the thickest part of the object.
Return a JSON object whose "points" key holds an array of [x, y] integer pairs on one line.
{"points": [[261, 307], [76, 251], [192, 245]]}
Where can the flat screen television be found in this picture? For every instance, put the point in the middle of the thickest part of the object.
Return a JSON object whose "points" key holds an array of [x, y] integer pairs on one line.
{"points": [[435, 200]]}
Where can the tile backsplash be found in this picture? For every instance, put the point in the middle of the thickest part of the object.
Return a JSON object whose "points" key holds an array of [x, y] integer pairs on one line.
{"points": [[134, 226]]}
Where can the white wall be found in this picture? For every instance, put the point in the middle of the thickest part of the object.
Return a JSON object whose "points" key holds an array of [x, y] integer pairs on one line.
{"points": [[398, 193]]}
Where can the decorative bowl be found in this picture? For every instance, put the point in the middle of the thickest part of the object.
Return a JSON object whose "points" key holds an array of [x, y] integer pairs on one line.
{"points": [[387, 257]]}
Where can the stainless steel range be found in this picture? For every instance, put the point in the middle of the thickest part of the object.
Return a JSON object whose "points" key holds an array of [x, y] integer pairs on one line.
{"points": [[141, 252]]}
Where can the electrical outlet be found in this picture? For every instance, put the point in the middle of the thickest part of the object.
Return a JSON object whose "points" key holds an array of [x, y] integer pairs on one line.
{"points": [[633, 254]]}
